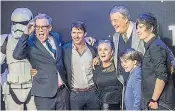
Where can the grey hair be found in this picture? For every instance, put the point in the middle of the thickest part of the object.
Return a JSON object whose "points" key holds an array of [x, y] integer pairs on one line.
{"points": [[122, 10], [108, 42], [43, 16], [132, 54]]}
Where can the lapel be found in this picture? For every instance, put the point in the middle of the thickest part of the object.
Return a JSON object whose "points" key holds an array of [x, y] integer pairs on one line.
{"points": [[68, 58], [41, 47], [58, 47], [135, 40], [91, 49], [116, 41]]}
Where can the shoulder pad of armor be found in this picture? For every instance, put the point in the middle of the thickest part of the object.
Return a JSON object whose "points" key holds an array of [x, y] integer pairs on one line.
{"points": [[3, 37]]}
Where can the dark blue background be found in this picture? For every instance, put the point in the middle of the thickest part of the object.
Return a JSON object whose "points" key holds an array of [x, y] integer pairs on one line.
{"points": [[95, 14]]}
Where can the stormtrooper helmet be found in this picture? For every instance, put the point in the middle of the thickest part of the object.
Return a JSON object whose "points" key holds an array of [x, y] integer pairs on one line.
{"points": [[20, 18]]}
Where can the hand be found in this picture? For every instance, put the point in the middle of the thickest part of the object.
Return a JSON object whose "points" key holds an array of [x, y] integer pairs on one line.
{"points": [[30, 28], [172, 69], [153, 105], [33, 72], [95, 62], [173, 66], [90, 40], [173, 62]]}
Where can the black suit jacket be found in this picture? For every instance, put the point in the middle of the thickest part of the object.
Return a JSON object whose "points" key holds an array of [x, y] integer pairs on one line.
{"points": [[45, 83]]}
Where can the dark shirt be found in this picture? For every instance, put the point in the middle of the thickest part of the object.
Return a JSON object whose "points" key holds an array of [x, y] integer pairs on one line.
{"points": [[108, 86], [156, 65]]}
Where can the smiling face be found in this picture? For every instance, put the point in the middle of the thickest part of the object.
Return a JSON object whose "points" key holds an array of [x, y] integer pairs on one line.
{"points": [[78, 36], [128, 65], [42, 29], [146, 26], [119, 22], [143, 32], [105, 52]]}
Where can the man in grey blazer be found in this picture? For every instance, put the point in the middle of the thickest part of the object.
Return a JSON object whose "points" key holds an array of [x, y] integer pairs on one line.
{"points": [[125, 29], [44, 52]]}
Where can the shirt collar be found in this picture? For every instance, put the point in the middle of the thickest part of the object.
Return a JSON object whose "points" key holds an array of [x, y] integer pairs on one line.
{"points": [[74, 47], [50, 38], [136, 68], [149, 42]]}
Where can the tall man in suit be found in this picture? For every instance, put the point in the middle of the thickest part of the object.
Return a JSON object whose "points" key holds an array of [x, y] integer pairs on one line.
{"points": [[78, 56], [44, 52]]}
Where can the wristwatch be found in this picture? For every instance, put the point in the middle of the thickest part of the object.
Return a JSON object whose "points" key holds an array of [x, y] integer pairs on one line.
{"points": [[152, 100]]}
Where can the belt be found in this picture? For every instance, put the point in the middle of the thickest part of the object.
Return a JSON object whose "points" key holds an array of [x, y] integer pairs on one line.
{"points": [[20, 86], [61, 87], [84, 89]]}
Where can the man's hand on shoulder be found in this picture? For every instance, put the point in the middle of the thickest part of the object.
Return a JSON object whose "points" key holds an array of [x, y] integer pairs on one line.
{"points": [[90, 40], [96, 61]]}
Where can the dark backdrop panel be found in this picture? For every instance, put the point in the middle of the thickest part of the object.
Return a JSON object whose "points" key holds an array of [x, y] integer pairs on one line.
{"points": [[95, 14]]}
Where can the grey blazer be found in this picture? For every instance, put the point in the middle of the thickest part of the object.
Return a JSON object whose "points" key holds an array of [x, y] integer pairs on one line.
{"points": [[136, 44], [45, 83]]}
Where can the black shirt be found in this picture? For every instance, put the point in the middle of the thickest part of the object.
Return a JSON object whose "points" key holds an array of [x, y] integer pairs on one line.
{"points": [[108, 86], [156, 65]]}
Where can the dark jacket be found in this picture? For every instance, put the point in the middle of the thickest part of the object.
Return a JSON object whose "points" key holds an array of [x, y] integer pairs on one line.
{"points": [[156, 64], [67, 55], [45, 83]]}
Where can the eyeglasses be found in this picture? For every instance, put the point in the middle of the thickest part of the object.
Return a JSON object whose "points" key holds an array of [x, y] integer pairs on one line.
{"points": [[42, 27]]}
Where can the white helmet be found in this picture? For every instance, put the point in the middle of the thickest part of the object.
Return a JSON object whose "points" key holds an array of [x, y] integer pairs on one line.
{"points": [[20, 18]]}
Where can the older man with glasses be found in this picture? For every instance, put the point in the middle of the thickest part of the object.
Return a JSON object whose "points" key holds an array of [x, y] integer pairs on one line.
{"points": [[44, 51]]}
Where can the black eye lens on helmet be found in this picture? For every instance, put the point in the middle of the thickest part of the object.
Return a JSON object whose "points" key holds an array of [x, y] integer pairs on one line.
{"points": [[14, 23], [25, 22], [22, 23]]}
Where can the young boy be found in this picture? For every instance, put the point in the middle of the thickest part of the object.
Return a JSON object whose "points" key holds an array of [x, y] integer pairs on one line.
{"points": [[131, 62]]}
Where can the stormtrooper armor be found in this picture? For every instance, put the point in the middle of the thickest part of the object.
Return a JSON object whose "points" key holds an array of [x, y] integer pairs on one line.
{"points": [[19, 81]]}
